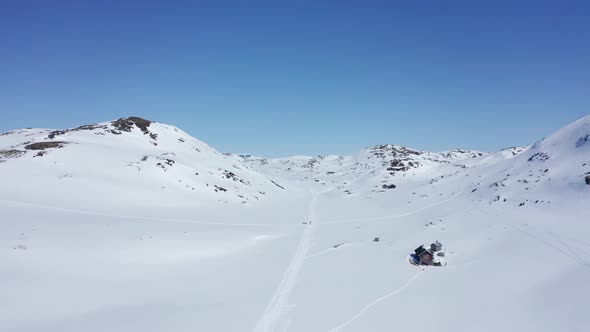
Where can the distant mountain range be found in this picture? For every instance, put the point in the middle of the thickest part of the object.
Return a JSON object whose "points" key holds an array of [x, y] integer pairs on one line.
{"points": [[134, 157]]}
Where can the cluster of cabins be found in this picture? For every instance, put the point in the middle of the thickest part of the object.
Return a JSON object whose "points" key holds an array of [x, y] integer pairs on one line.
{"points": [[426, 256]]}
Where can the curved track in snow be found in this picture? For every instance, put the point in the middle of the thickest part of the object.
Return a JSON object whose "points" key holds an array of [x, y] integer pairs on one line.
{"points": [[377, 301]]}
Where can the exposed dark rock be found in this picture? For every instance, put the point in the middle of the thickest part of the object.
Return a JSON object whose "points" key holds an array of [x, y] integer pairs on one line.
{"points": [[539, 156], [11, 153], [165, 162], [278, 185], [7, 133], [127, 124], [583, 140], [45, 145], [230, 175], [55, 133], [498, 184], [587, 178], [218, 188], [388, 186]]}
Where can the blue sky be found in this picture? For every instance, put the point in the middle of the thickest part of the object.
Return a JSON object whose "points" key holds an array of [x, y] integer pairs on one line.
{"points": [[278, 78]]}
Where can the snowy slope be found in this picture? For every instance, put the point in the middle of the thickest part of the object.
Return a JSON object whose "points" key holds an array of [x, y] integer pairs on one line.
{"points": [[119, 244], [129, 161]]}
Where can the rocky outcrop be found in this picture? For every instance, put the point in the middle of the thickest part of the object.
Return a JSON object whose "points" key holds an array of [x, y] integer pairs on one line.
{"points": [[588, 180], [539, 156], [127, 124], [582, 141], [45, 145], [9, 154], [56, 133]]}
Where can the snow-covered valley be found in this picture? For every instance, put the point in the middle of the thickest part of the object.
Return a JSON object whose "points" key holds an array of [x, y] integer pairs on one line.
{"points": [[133, 225]]}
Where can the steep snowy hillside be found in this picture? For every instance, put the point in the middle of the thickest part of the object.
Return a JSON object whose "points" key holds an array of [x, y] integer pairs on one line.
{"points": [[128, 161], [552, 170], [133, 225]]}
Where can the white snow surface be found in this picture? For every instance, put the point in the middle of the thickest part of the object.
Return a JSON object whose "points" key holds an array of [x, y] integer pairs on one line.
{"points": [[148, 229]]}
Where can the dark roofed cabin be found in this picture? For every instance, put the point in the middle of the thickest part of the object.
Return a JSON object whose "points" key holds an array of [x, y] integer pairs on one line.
{"points": [[425, 256]]}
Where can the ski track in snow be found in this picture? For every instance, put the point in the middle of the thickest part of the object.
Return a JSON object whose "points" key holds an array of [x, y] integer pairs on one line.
{"points": [[323, 252], [395, 216], [377, 301], [568, 252], [271, 319], [138, 218]]}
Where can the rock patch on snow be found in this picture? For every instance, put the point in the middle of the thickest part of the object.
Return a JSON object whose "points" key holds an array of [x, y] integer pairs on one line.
{"points": [[582, 141], [9, 154], [45, 145]]}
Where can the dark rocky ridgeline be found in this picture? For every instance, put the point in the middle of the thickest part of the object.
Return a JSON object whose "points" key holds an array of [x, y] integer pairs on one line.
{"points": [[396, 158], [46, 145], [394, 151], [127, 124], [450, 154], [56, 133], [118, 126], [11, 132]]}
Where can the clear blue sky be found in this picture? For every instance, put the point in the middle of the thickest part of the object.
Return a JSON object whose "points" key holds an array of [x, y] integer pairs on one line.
{"points": [[278, 78]]}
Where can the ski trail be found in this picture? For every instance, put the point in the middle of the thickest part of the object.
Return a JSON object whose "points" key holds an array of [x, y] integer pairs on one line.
{"points": [[376, 302], [323, 252], [510, 223], [395, 216], [271, 319], [138, 218]]}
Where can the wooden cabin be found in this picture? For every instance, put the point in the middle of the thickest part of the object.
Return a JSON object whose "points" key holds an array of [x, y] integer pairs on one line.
{"points": [[424, 256]]}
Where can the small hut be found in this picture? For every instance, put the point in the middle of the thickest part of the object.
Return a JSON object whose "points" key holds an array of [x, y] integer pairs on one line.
{"points": [[424, 256], [436, 246]]}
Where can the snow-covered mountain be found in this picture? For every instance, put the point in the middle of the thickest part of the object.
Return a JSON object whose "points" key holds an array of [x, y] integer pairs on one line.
{"points": [[133, 225], [129, 161], [383, 163], [513, 174]]}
